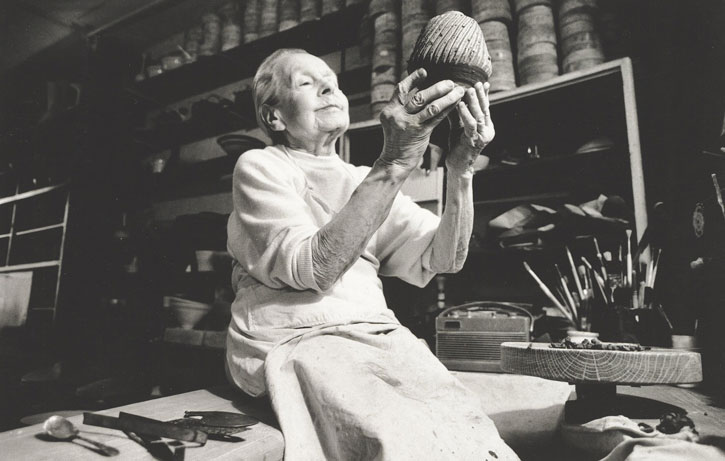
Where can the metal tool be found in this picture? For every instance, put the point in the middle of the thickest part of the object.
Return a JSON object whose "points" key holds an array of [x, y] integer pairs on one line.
{"points": [[62, 429], [215, 422], [140, 425], [160, 449]]}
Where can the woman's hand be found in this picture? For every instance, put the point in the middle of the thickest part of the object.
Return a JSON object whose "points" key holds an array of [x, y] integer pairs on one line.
{"points": [[477, 129], [410, 117]]}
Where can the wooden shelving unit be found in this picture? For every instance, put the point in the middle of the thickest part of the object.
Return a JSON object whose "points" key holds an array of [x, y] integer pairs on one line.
{"points": [[617, 74], [330, 33], [229, 119], [15, 257], [600, 102]]}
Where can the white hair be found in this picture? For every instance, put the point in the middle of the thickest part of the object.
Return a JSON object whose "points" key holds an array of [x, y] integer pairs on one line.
{"points": [[265, 89]]}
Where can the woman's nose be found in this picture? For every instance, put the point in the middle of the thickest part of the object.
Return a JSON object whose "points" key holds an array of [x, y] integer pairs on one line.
{"points": [[325, 87]]}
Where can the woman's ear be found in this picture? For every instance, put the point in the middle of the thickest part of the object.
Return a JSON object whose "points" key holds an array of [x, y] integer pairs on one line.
{"points": [[272, 119]]}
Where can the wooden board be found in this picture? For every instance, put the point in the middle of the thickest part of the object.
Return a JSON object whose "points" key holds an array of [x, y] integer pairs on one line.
{"points": [[655, 366]]}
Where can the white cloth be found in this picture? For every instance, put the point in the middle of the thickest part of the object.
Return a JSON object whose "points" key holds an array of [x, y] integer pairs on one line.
{"points": [[664, 449], [618, 438], [374, 391], [282, 197], [14, 298]]}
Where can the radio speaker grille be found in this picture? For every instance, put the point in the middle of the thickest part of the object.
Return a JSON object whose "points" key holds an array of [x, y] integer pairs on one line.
{"points": [[474, 351]]}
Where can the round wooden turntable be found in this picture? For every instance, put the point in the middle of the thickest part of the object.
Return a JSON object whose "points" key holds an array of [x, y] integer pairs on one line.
{"points": [[596, 374]]}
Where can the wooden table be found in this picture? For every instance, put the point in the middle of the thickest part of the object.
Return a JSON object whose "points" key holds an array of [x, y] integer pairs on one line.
{"points": [[504, 397], [708, 418], [263, 441]]}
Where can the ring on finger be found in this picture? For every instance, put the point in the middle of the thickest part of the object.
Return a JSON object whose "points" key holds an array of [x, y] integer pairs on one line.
{"points": [[415, 103]]}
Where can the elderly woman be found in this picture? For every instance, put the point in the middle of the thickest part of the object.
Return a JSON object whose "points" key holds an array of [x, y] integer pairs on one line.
{"points": [[310, 234]]}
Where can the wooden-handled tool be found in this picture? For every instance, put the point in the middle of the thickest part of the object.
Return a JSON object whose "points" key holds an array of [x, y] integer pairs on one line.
{"points": [[548, 292]]}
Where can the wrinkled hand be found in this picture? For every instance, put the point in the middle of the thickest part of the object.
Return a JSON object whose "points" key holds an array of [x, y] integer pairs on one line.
{"points": [[477, 129], [410, 117]]}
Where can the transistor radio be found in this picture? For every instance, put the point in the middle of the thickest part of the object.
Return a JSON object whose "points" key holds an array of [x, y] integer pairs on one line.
{"points": [[469, 336]]}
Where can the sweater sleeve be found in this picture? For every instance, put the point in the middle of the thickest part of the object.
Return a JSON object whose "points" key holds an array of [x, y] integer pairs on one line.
{"points": [[404, 242], [269, 232]]}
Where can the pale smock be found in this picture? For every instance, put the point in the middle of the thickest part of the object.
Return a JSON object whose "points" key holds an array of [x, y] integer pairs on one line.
{"points": [[282, 197], [345, 379]]}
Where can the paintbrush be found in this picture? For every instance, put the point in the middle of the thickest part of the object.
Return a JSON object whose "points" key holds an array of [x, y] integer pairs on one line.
{"points": [[597, 278], [620, 266], [599, 257], [718, 194], [629, 258], [655, 266], [560, 291], [547, 292], [664, 315], [607, 260], [574, 273], [582, 270], [565, 288]]}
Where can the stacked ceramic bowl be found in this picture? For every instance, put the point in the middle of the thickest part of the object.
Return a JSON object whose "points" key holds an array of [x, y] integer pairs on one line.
{"points": [[386, 56], [330, 6], [536, 56], [269, 18], [443, 6], [252, 10], [494, 17], [309, 10], [188, 313], [415, 15], [289, 14], [581, 46]]}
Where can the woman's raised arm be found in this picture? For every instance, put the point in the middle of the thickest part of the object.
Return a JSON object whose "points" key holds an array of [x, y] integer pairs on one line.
{"points": [[450, 243], [407, 122]]}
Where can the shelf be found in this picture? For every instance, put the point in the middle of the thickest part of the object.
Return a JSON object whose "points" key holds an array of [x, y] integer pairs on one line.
{"points": [[199, 338], [532, 89], [38, 229], [29, 266], [193, 179], [562, 81], [545, 162], [231, 119], [330, 33], [524, 198], [31, 193], [183, 133]]}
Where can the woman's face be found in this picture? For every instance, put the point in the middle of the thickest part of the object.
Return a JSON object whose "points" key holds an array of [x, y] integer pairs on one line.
{"points": [[311, 105]]}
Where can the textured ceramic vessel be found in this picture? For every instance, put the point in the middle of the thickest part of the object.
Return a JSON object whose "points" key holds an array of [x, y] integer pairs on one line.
{"points": [[452, 46]]}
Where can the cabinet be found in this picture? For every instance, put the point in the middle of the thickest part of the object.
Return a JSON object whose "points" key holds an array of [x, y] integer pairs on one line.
{"points": [[552, 118]]}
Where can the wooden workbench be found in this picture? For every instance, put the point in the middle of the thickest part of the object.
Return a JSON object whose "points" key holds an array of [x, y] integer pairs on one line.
{"points": [[263, 441], [527, 411]]}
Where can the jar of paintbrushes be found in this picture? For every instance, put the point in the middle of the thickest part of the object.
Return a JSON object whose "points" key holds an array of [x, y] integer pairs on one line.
{"points": [[610, 292]]}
